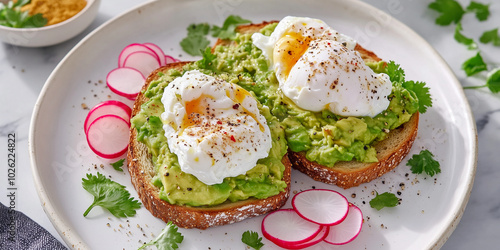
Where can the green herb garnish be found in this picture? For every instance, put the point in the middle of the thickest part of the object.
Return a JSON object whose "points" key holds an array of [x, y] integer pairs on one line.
{"points": [[490, 36], [384, 200], [252, 239], [168, 238], [474, 65], [118, 165], [492, 82], [397, 74], [196, 40], [109, 195], [12, 16], [424, 162], [463, 39], [451, 11], [482, 10]]}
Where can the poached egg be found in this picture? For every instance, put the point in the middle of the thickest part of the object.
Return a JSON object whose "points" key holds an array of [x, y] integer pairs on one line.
{"points": [[214, 127], [318, 69]]}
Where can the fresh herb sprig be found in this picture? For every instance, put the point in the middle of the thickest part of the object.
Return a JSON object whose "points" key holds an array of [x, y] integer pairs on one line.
{"points": [[109, 195], [196, 40], [168, 239], [252, 239], [452, 11], [118, 165], [12, 16], [424, 162], [384, 200]]}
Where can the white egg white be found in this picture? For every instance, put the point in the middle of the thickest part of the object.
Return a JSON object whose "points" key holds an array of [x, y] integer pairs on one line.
{"points": [[214, 127], [318, 69]]}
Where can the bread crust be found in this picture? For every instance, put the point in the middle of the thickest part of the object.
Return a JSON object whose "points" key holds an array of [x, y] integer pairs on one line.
{"points": [[141, 171], [390, 152]]}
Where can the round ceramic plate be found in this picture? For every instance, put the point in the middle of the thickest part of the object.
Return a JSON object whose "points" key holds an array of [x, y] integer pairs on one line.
{"points": [[430, 206]]}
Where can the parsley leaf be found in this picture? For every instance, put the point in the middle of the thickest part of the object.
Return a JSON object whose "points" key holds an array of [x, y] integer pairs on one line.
{"points": [[118, 165], [168, 238], [492, 82], [451, 11], [424, 162], [463, 39], [252, 239], [109, 195], [207, 59], [397, 74], [482, 10], [490, 36], [227, 31], [474, 65], [12, 16], [384, 200], [196, 40]]}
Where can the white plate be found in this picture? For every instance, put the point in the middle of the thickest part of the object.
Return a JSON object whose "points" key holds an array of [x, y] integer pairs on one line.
{"points": [[430, 208]]}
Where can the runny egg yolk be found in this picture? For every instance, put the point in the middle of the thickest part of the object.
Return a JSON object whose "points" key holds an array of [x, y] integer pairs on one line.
{"points": [[289, 49], [197, 108]]}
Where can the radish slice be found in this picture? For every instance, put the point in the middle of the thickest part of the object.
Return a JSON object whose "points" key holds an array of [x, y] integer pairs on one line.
{"points": [[110, 107], [108, 136], [132, 48], [320, 237], [286, 229], [158, 51], [126, 82], [142, 61], [321, 206], [169, 59], [348, 230]]}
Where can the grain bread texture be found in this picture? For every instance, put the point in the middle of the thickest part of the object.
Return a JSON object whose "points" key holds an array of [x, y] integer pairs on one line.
{"points": [[390, 152], [142, 171]]}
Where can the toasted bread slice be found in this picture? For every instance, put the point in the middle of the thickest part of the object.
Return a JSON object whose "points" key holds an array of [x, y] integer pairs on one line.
{"points": [[142, 171], [390, 151]]}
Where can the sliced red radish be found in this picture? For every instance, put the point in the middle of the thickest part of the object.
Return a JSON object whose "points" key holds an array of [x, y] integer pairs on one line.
{"points": [[132, 48], [348, 230], [321, 206], [108, 136], [169, 59], [110, 107], [142, 61], [286, 228], [320, 237], [158, 51], [125, 81]]}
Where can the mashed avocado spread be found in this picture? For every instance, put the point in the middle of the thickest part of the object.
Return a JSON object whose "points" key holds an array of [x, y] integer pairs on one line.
{"points": [[325, 138]]}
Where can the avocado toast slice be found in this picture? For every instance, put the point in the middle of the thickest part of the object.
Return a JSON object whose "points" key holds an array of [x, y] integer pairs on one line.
{"points": [[263, 189], [323, 155]]}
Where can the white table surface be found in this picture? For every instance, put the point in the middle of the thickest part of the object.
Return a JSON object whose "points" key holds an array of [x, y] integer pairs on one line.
{"points": [[23, 72]]}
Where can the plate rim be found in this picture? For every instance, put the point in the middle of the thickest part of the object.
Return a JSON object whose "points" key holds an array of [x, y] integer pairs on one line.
{"points": [[72, 239]]}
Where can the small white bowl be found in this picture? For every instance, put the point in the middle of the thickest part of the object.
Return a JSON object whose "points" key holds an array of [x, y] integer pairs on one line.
{"points": [[52, 34]]}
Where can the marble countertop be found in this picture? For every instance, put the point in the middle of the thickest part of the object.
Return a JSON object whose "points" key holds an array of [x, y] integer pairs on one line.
{"points": [[25, 70]]}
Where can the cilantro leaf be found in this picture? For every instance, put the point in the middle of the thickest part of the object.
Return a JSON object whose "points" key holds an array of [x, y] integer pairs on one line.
{"points": [[12, 16], [118, 165], [397, 74], [384, 200], [227, 31], [422, 93], [490, 36], [424, 162], [196, 41], [493, 81], [208, 57], [252, 239], [482, 10], [474, 65], [109, 195], [168, 238], [451, 11], [463, 39]]}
